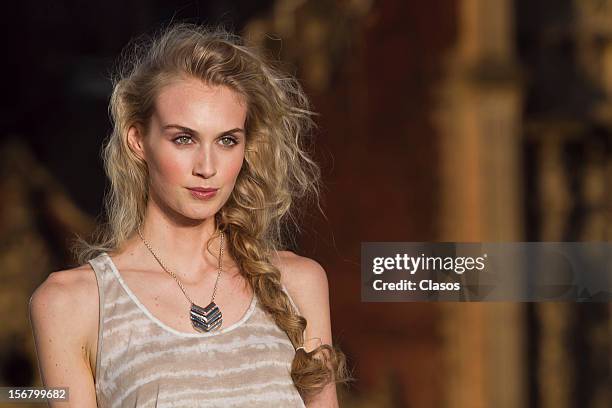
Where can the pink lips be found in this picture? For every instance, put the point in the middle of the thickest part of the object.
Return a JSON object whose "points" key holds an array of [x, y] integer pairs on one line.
{"points": [[203, 193]]}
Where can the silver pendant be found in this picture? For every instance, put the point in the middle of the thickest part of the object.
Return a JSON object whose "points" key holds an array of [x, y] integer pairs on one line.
{"points": [[205, 319]]}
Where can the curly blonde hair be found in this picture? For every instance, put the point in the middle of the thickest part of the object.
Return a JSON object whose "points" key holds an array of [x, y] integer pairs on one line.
{"points": [[277, 175]]}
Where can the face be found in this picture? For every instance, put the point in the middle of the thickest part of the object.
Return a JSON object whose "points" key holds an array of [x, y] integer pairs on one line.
{"points": [[195, 139]]}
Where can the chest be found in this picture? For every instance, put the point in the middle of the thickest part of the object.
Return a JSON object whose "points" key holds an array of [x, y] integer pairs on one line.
{"points": [[249, 364], [164, 300]]}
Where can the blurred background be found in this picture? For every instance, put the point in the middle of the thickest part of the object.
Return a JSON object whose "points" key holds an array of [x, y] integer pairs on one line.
{"points": [[445, 120]]}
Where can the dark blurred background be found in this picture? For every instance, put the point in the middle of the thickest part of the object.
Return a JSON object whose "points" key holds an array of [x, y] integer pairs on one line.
{"points": [[445, 120]]}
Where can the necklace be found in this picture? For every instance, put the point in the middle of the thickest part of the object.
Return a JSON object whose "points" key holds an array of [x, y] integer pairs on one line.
{"points": [[203, 319]]}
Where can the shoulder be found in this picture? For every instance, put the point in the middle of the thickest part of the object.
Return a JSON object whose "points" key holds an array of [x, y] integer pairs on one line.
{"points": [[303, 277], [65, 287], [67, 300], [306, 282], [62, 322]]}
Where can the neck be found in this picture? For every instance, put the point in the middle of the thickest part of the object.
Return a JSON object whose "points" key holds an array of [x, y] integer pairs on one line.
{"points": [[182, 247]]}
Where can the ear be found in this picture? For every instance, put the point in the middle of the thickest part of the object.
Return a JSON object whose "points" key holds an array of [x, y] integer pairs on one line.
{"points": [[135, 141]]}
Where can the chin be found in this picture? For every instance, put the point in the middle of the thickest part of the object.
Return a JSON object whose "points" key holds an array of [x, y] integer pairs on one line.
{"points": [[201, 213]]}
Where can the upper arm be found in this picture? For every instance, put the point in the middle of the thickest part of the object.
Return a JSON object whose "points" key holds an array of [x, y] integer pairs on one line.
{"points": [[57, 318], [307, 284]]}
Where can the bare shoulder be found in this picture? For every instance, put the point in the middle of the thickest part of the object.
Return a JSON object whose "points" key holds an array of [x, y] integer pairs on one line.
{"points": [[67, 298], [62, 315], [66, 286], [305, 279], [307, 284]]}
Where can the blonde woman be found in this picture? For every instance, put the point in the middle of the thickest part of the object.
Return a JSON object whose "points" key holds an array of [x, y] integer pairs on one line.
{"points": [[184, 296]]}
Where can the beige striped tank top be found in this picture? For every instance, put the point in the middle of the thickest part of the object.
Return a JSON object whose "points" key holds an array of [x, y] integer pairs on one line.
{"points": [[142, 362]]}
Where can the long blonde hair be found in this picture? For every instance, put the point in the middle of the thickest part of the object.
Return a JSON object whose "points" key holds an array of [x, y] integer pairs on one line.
{"points": [[278, 176]]}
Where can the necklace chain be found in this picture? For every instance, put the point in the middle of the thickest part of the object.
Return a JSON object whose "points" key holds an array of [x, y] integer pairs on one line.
{"points": [[174, 275]]}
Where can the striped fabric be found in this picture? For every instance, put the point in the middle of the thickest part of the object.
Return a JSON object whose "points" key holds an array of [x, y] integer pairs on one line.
{"points": [[142, 362]]}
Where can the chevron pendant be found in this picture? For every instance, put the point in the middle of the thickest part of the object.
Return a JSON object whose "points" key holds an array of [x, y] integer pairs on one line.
{"points": [[205, 319]]}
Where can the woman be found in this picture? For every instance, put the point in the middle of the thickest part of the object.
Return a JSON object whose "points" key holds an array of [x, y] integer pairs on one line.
{"points": [[186, 298]]}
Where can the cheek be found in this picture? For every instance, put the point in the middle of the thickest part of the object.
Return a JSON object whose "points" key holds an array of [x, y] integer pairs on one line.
{"points": [[168, 167], [233, 166]]}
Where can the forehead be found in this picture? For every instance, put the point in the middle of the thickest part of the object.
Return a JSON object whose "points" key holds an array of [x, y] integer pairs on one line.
{"points": [[197, 105]]}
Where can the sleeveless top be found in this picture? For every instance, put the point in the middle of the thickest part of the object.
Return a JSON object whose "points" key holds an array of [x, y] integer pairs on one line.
{"points": [[142, 362]]}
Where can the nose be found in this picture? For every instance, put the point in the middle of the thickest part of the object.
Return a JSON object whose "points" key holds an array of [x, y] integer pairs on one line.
{"points": [[205, 163]]}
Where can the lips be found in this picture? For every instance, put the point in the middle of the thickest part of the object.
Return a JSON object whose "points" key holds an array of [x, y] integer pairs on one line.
{"points": [[202, 189], [203, 193]]}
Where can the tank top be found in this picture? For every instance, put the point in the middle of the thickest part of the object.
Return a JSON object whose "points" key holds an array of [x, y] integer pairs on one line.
{"points": [[142, 362]]}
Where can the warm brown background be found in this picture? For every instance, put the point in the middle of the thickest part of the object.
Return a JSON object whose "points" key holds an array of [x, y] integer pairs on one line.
{"points": [[445, 120]]}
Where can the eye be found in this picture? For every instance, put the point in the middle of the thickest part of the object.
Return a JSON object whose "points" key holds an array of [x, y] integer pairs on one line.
{"points": [[182, 137], [230, 141]]}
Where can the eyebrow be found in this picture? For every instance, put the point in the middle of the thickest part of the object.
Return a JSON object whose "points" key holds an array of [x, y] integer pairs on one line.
{"points": [[188, 130]]}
